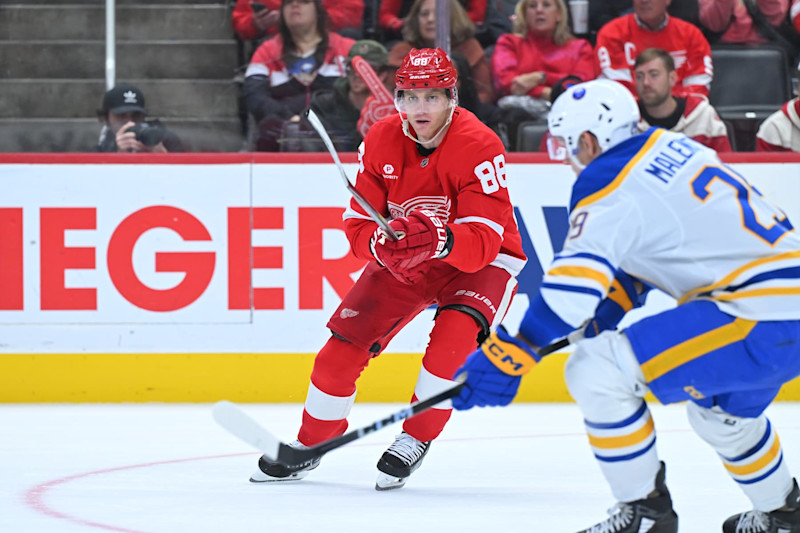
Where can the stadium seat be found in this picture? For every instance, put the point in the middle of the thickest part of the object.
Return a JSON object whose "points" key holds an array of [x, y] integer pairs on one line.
{"points": [[731, 132], [750, 83], [529, 135], [752, 79]]}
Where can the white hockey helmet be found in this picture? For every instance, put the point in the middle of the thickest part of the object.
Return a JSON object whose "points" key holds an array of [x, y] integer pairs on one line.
{"points": [[604, 108]]}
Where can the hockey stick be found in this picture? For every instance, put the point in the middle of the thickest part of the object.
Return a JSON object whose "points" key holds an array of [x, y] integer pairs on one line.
{"points": [[572, 338], [232, 418], [371, 211], [238, 423]]}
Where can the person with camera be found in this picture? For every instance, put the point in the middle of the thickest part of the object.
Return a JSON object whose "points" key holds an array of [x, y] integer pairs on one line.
{"points": [[125, 128]]}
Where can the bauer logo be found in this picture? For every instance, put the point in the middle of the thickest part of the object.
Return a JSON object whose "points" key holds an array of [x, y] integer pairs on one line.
{"points": [[479, 297]]}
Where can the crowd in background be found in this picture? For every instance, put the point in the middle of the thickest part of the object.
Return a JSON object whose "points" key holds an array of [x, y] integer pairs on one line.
{"points": [[513, 57]]}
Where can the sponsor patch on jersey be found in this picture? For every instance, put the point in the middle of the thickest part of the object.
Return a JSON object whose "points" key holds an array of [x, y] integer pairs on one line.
{"points": [[388, 172]]}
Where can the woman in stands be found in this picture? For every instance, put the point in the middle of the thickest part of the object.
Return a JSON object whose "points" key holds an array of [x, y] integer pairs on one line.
{"points": [[420, 32], [394, 13], [284, 71], [539, 52], [258, 19]]}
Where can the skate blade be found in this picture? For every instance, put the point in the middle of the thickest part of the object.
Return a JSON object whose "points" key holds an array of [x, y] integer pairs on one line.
{"points": [[387, 482], [261, 477]]}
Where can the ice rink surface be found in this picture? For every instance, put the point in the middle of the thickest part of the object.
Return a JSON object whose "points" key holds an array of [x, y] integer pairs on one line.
{"points": [[166, 468]]}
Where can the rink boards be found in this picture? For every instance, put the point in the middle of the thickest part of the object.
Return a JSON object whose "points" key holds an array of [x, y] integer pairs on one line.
{"points": [[190, 278]]}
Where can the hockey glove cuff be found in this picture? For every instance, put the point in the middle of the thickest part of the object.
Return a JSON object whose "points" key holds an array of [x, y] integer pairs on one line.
{"points": [[626, 293], [494, 371]]}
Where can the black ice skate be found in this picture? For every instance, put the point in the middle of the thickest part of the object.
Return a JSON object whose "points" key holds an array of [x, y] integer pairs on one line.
{"points": [[784, 520], [399, 461], [649, 515], [273, 471]]}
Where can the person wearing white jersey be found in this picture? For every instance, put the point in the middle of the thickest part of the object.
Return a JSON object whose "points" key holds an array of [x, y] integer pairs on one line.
{"points": [[666, 211]]}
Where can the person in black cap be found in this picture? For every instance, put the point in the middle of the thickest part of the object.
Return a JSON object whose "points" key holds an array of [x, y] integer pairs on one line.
{"points": [[125, 129]]}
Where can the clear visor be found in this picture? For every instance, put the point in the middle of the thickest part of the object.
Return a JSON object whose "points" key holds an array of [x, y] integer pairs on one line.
{"points": [[420, 100], [556, 148]]}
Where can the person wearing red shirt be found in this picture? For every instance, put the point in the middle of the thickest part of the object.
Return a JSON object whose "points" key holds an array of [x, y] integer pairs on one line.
{"points": [[649, 26], [780, 132], [249, 21], [691, 115], [439, 174], [285, 70], [731, 18], [540, 51], [393, 14]]}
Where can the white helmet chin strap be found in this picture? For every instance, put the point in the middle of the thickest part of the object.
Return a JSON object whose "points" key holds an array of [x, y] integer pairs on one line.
{"points": [[432, 139]]}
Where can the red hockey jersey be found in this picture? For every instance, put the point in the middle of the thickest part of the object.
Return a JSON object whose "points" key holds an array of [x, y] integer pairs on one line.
{"points": [[622, 39], [781, 131], [701, 122], [463, 181]]}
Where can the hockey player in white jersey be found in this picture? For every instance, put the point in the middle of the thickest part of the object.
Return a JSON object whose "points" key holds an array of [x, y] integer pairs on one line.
{"points": [[665, 210]]}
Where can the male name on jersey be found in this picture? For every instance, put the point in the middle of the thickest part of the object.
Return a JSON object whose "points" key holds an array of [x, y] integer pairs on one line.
{"points": [[665, 163]]}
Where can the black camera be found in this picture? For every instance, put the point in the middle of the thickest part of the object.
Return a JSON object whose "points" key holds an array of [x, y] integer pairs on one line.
{"points": [[148, 134]]}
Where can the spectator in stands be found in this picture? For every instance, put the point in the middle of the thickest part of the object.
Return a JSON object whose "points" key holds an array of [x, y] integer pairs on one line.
{"points": [[339, 108], [691, 115], [781, 131], [126, 128], [287, 69], [420, 32], [649, 26], [540, 51], [497, 21], [794, 15], [732, 20], [394, 13], [256, 19], [602, 12]]}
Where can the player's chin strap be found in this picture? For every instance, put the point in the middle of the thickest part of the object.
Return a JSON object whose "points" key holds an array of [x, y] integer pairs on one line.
{"points": [[572, 157], [447, 122]]}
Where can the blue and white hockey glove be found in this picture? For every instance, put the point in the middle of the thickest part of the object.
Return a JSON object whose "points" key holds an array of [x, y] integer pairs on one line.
{"points": [[494, 371], [626, 293]]}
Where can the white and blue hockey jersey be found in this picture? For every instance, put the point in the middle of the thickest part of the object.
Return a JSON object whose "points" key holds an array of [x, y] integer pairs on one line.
{"points": [[666, 210]]}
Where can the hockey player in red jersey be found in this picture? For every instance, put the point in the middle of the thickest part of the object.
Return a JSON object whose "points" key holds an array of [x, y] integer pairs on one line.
{"points": [[439, 174]]}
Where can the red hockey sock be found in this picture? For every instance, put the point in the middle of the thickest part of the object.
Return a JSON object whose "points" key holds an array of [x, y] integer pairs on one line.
{"points": [[453, 338], [336, 369]]}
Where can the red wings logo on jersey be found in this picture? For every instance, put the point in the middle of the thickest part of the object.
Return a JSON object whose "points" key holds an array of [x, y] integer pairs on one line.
{"points": [[439, 205], [380, 105]]}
